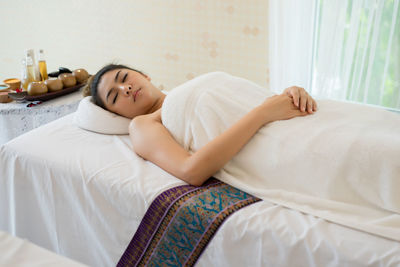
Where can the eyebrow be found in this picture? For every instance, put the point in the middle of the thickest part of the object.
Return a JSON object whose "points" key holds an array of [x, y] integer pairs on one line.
{"points": [[116, 76], [123, 79]]}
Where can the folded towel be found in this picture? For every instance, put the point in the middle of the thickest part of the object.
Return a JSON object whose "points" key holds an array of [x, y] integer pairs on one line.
{"points": [[96, 119], [341, 163]]}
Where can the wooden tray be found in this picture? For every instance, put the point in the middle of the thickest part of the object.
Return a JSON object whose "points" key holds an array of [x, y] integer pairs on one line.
{"points": [[23, 96]]}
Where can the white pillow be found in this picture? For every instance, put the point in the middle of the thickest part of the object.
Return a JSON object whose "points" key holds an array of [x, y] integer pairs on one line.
{"points": [[93, 118]]}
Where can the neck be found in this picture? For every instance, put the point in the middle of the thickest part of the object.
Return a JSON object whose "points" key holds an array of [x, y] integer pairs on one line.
{"points": [[158, 103]]}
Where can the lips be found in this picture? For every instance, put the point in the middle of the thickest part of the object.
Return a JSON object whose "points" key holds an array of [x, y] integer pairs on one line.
{"points": [[135, 94]]}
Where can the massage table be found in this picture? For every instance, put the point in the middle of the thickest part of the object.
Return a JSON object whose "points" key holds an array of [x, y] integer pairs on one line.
{"points": [[82, 195]]}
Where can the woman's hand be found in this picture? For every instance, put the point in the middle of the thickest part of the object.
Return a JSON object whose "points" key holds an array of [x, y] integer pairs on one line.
{"points": [[301, 99], [279, 107]]}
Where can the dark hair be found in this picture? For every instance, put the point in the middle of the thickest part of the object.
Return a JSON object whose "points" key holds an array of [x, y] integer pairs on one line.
{"points": [[93, 82]]}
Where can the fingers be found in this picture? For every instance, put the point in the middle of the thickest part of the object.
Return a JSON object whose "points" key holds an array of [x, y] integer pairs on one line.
{"points": [[314, 105], [294, 93], [299, 113], [307, 103], [301, 99]]}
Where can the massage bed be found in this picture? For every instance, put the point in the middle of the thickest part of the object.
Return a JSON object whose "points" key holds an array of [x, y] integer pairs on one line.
{"points": [[83, 195]]}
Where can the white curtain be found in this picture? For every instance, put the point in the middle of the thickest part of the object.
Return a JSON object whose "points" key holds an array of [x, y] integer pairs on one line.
{"points": [[354, 48], [290, 43]]}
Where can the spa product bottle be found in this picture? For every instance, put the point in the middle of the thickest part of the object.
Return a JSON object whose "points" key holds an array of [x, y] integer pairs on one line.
{"points": [[31, 53], [42, 66], [23, 74], [29, 73]]}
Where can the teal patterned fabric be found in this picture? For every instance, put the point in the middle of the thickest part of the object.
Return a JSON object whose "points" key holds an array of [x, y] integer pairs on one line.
{"points": [[186, 226]]}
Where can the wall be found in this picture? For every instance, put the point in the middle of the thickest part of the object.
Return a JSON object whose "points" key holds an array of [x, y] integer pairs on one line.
{"points": [[171, 40]]}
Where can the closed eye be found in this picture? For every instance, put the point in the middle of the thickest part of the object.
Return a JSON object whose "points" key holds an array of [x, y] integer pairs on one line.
{"points": [[116, 94]]}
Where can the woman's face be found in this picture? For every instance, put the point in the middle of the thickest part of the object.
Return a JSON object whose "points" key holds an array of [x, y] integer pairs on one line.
{"points": [[127, 92]]}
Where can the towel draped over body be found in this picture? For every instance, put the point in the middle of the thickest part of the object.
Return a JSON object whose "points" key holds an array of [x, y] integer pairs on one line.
{"points": [[341, 163]]}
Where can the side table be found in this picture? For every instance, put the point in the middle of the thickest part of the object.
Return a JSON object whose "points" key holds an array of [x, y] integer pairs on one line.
{"points": [[16, 118]]}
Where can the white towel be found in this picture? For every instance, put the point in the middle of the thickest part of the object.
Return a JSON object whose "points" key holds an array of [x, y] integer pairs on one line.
{"points": [[341, 163]]}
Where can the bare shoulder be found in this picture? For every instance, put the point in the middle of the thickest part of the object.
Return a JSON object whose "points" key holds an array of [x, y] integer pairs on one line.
{"points": [[153, 142], [143, 122], [147, 118], [145, 131]]}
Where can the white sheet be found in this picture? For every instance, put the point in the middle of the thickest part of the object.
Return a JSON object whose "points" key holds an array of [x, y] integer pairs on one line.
{"points": [[341, 163], [22, 253], [82, 195]]}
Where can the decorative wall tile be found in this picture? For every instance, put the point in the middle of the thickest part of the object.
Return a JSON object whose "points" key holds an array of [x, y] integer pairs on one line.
{"points": [[166, 39]]}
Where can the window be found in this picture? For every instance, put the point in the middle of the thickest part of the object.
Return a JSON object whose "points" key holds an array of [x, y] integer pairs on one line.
{"points": [[356, 51]]}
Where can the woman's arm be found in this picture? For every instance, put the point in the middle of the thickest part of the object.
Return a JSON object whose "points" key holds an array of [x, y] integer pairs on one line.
{"points": [[152, 141]]}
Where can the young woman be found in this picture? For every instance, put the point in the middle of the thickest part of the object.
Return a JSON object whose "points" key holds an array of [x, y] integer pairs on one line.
{"points": [[130, 93], [340, 164]]}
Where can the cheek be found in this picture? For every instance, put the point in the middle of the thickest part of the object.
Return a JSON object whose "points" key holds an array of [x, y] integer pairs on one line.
{"points": [[124, 104], [127, 109]]}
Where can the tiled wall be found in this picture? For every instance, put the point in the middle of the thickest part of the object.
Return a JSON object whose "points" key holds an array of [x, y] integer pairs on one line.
{"points": [[171, 40]]}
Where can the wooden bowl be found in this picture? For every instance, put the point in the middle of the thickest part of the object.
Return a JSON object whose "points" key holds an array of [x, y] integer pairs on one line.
{"points": [[4, 98], [14, 83], [4, 87]]}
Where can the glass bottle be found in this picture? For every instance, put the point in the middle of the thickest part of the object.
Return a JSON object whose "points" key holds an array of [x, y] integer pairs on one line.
{"points": [[42, 66], [29, 73], [23, 75], [31, 53]]}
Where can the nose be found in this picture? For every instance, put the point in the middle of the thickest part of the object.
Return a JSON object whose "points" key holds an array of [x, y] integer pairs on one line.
{"points": [[126, 89]]}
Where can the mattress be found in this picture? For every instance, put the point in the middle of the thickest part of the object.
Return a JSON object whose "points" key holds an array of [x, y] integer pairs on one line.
{"points": [[83, 194]]}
